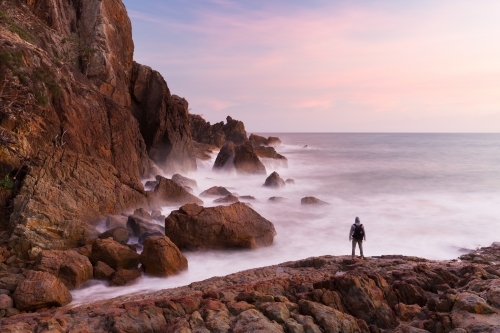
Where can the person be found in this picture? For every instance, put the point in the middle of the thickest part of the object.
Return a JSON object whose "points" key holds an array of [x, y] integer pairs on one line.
{"points": [[357, 234]]}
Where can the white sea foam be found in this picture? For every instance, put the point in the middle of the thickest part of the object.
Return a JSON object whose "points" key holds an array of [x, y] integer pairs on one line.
{"points": [[419, 196]]}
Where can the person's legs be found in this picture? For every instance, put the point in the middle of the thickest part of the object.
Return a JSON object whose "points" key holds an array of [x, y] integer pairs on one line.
{"points": [[360, 242], [353, 247]]}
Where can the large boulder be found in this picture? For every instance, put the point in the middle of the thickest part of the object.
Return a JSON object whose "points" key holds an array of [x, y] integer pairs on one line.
{"points": [[40, 290], [72, 268], [233, 226], [169, 193], [124, 277], [140, 226], [228, 199], [160, 257], [274, 180], [246, 160], [114, 254]]}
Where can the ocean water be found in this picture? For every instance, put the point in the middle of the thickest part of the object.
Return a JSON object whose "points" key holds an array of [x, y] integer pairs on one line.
{"points": [[427, 195]]}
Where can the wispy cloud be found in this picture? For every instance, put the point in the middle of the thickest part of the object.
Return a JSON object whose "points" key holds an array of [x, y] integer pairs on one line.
{"points": [[379, 61]]}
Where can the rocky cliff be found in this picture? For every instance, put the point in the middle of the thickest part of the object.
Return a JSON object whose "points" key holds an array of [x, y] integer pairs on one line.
{"points": [[80, 122]]}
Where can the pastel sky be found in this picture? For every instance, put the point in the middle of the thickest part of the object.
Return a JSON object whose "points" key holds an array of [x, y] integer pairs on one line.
{"points": [[328, 66]]}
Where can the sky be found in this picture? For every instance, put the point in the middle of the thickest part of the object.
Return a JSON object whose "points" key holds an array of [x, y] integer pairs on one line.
{"points": [[328, 66]]}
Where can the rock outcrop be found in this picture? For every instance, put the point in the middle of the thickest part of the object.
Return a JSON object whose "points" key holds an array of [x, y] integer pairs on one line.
{"points": [[219, 133], [312, 201], [270, 153], [169, 193], [258, 140], [233, 226], [81, 122], [241, 158], [386, 294]]}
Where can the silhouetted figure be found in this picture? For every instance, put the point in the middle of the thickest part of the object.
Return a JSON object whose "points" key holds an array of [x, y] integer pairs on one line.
{"points": [[357, 234]]}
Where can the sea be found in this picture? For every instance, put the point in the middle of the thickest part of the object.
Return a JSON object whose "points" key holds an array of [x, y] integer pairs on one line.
{"points": [[435, 196]]}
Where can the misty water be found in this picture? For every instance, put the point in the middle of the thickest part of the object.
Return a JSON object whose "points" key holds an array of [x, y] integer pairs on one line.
{"points": [[427, 195]]}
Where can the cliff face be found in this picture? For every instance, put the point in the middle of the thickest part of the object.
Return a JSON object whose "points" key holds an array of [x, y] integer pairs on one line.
{"points": [[80, 122]]}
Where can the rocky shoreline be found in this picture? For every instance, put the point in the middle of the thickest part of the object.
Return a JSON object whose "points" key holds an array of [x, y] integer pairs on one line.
{"points": [[396, 294]]}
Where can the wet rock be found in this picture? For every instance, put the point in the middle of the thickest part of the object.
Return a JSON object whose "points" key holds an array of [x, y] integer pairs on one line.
{"points": [[40, 290], [247, 197], [119, 234], [227, 199], [277, 199], [114, 254], [161, 257], [149, 234], [274, 180], [114, 221], [124, 277], [102, 271], [6, 302], [184, 181], [169, 193], [273, 141], [472, 303], [140, 226], [312, 201], [246, 160], [143, 214], [150, 185], [236, 225], [218, 191], [290, 181], [225, 158]]}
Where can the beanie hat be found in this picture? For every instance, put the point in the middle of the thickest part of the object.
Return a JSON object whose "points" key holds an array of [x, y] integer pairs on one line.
{"points": [[357, 220]]}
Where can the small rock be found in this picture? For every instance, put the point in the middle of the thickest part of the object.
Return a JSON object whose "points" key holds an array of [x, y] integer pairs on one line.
{"points": [[254, 321], [218, 191], [149, 234], [290, 181], [143, 214], [406, 312], [312, 201], [277, 199], [274, 180], [275, 311], [184, 181], [227, 199]]}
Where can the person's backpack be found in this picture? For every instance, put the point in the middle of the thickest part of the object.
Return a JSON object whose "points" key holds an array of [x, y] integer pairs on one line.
{"points": [[359, 232]]}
